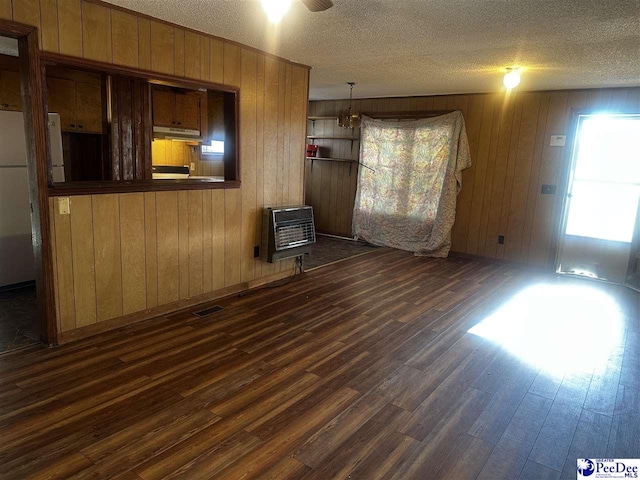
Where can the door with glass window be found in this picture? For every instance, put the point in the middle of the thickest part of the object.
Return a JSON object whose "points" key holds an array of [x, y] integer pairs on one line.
{"points": [[601, 207]]}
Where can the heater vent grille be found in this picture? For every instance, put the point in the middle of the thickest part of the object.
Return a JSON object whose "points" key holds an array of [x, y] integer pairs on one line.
{"points": [[287, 232]]}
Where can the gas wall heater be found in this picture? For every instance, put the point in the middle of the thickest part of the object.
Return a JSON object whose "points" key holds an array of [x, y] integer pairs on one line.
{"points": [[287, 232]]}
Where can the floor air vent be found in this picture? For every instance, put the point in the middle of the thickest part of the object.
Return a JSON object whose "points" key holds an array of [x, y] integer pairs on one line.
{"points": [[208, 311]]}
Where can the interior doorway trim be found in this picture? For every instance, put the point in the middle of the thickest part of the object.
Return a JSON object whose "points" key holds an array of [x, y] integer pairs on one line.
{"points": [[37, 136]]}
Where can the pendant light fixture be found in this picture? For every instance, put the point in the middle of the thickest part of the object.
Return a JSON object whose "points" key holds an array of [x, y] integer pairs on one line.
{"points": [[348, 119]]}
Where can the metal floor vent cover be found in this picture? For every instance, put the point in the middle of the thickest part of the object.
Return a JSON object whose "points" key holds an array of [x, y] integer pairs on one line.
{"points": [[208, 311]]}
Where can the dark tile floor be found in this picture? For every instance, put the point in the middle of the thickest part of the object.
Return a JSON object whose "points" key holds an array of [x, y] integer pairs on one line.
{"points": [[329, 249], [18, 318]]}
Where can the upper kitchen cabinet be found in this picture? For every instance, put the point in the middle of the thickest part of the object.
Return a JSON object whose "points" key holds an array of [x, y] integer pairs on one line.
{"points": [[10, 97], [78, 98], [177, 108]]}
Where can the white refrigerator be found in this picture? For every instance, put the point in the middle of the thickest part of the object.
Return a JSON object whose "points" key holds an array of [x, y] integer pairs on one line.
{"points": [[16, 254]]}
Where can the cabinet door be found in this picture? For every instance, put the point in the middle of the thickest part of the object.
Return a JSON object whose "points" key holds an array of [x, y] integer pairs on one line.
{"points": [[61, 94], [164, 108], [88, 107], [188, 111], [10, 97]]}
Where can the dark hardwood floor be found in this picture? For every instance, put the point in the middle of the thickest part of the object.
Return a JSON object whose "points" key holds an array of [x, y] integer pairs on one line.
{"points": [[363, 369]]}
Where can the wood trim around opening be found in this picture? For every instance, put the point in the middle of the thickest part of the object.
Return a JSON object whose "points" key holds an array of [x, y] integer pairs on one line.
{"points": [[101, 187], [38, 162]]}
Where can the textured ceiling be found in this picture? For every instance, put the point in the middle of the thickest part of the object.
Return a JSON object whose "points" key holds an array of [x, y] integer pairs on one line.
{"points": [[421, 47]]}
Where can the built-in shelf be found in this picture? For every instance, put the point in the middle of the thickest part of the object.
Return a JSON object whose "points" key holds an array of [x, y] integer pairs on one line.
{"points": [[323, 117], [320, 137], [329, 159]]}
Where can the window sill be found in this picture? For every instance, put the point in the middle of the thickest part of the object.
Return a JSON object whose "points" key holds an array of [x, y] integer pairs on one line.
{"points": [[97, 188]]}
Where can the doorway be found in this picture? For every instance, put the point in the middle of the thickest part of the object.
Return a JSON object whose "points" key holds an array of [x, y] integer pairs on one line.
{"points": [[19, 319], [600, 211]]}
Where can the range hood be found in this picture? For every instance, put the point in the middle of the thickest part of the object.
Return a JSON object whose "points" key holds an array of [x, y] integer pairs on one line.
{"points": [[179, 134]]}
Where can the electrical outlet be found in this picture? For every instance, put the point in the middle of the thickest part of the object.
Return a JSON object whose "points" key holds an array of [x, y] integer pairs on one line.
{"points": [[548, 190], [64, 206], [256, 251], [500, 239]]}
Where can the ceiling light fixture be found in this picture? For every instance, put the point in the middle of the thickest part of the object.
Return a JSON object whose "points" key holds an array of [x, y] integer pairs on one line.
{"points": [[348, 119], [512, 78], [276, 9]]}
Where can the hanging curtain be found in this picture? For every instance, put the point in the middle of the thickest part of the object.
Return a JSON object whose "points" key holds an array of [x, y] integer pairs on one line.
{"points": [[408, 200]]}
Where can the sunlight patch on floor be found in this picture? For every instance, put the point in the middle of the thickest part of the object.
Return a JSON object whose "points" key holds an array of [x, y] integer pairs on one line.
{"points": [[557, 328]]}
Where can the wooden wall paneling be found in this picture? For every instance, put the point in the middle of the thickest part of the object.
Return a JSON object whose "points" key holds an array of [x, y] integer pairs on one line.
{"points": [[509, 173], [468, 107], [144, 43], [282, 92], [106, 237], [269, 183], [192, 49], [151, 248], [499, 175], [544, 203], [336, 173], [183, 242], [124, 35], [260, 140], [218, 238], [6, 10], [486, 123], [167, 247], [83, 259], [233, 237], [196, 242], [619, 100], [96, 32], [180, 52], [133, 244], [162, 48], [27, 12], [439, 102], [64, 273], [417, 104], [232, 198], [207, 242], [534, 183], [248, 124], [287, 160], [216, 62], [205, 58], [49, 25], [232, 65], [594, 98], [522, 174], [493, 148]]}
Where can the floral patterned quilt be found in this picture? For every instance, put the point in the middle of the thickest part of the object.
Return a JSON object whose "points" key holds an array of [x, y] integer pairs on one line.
{"points": [[408, 199]]}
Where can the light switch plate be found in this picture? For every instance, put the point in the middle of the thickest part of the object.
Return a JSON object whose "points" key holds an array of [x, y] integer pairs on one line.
{"points": [[193, 166], [64, 206], [558, 141]]}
